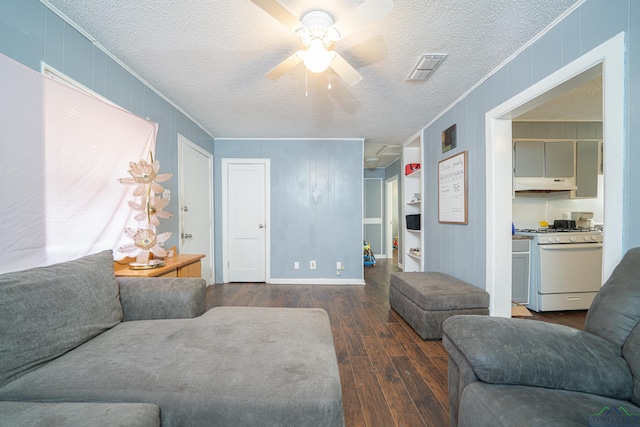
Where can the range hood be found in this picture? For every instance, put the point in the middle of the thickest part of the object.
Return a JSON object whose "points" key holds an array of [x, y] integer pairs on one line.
{"points": [[535, 183]]}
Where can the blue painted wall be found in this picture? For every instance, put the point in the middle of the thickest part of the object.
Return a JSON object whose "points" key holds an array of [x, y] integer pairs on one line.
{"points": [[326, 229], [593, 23], [30, 33]]}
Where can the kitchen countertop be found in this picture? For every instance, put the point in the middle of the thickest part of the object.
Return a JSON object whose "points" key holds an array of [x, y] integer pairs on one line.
{"points": [[521, 237]]}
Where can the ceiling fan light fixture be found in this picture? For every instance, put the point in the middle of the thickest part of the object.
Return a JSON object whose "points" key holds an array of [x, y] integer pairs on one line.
{"points": [[317, 58]]}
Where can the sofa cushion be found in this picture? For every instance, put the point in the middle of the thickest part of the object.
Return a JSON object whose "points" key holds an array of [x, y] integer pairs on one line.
{"points": [[614, 312], [232, 366], [495, 405], [631, 353], [71, 414], [47, 311]]}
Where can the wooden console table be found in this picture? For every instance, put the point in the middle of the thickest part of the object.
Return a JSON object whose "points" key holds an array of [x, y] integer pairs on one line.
{"points": [[179, 265]]}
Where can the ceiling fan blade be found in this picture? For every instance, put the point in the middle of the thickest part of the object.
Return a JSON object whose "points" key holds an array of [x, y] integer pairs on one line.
{"points": [[284, 66], [279, 12], [362, 15], [345, 71]]}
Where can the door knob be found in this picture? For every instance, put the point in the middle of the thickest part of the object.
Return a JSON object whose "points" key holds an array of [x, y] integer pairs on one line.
{"points": [[261, 226], [186, 235]]}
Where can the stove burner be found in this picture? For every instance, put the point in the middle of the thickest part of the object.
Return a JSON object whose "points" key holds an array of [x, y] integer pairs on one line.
{"points": [[553, 230]]}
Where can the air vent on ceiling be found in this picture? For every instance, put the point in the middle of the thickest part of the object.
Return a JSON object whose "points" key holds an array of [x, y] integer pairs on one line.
{"points": [[426, 66], [372, 162], [390, 150]]}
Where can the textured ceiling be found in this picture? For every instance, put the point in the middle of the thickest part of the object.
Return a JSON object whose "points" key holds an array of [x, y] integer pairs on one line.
{"points": [[582, 104], [211, 57]]}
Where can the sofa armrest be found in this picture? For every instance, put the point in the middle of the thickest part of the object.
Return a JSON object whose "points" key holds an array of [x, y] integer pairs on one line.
{"points": [[539, 354], [161, 298], [460, 374]]}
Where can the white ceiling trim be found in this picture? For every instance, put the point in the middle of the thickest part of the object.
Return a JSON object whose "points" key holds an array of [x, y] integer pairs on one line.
{"points": [[226, 138]]}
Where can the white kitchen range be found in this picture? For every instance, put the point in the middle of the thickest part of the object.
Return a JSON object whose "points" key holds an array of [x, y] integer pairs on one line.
{"points": [[566, 265]]}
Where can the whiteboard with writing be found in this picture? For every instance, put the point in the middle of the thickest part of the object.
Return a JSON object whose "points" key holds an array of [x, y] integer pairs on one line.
{"points": [[452, 189]]}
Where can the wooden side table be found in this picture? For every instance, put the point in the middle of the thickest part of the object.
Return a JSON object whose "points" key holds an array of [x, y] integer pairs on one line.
{"points": [[179, 265]]}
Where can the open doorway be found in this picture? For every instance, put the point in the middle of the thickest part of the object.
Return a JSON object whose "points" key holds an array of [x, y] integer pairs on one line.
{"points": [[392, 216], [500, 163]]}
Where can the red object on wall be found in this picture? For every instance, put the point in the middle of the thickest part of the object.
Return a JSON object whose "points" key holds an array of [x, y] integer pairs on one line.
{"points": [[411, 168]]}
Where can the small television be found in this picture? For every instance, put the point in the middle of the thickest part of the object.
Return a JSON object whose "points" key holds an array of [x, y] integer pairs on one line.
{"points": [[413, 222]]}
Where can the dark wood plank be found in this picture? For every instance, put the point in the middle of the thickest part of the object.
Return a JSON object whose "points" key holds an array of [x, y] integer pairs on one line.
{"points": [[399, 402], [430, 407], [575, 319], [374, 404], [436, 379], [353, 410]]}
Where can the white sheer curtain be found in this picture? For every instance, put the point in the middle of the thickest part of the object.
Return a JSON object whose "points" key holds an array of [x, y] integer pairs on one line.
{"points": [[61, 152]]}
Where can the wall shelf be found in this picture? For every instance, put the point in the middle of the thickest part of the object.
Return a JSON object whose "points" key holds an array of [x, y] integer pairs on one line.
{"points": [[412, 184]]}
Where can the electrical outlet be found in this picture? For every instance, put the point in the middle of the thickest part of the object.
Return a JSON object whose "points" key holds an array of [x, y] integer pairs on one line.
{"points": [[296, 265], [312, 265], [166, 194], [338, 265], [338, 273]]}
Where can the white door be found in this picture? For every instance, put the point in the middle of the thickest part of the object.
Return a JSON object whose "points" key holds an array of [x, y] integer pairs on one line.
{"points": [[196, 204], [246, 204]]}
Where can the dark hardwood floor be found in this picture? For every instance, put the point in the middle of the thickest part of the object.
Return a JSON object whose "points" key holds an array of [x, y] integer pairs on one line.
{"points": [[390, 376]]}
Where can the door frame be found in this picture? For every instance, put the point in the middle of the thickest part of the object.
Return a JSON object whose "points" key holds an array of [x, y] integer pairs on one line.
{"points": [[375, 220], [390, 206], [499, 169], [225, 217], [183, 141]]}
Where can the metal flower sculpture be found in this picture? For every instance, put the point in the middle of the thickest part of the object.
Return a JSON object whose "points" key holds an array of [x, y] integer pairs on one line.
{"points": [[144, 175]]}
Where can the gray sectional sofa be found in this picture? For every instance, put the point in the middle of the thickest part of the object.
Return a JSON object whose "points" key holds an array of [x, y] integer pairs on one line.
{"points": [[515, 372], [80, 347]]}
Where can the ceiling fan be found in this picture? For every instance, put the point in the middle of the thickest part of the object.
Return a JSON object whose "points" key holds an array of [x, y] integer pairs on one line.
{"points": [[318, 33]]}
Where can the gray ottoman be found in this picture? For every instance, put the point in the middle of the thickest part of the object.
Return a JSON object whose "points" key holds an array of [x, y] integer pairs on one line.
{"points": [[425, 299]]}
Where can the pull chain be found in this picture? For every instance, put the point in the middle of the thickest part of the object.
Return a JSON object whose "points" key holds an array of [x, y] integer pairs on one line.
{"points": [[306, 82], [329, 87]]}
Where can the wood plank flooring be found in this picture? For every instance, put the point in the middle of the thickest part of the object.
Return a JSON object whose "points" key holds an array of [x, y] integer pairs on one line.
{"points": [[390, 376]]}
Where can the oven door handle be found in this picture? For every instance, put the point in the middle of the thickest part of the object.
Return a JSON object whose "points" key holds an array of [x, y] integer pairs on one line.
{"points": [[570, 246]]}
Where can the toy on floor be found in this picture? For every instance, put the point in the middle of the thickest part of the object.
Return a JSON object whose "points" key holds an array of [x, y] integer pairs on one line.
{"points": [[369, 259]]}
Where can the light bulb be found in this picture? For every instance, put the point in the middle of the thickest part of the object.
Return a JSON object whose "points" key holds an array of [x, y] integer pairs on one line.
{"points": [[317, 58]]}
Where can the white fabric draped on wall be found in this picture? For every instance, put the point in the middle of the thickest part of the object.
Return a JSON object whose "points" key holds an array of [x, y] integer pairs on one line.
{"points": [[61, 152]]}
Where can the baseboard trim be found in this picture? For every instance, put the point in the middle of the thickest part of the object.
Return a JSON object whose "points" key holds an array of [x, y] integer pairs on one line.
{"points": [[316, 281]]}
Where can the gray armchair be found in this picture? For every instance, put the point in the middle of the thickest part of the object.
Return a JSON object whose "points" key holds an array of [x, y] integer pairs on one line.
{"points": [[515, 372]]}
